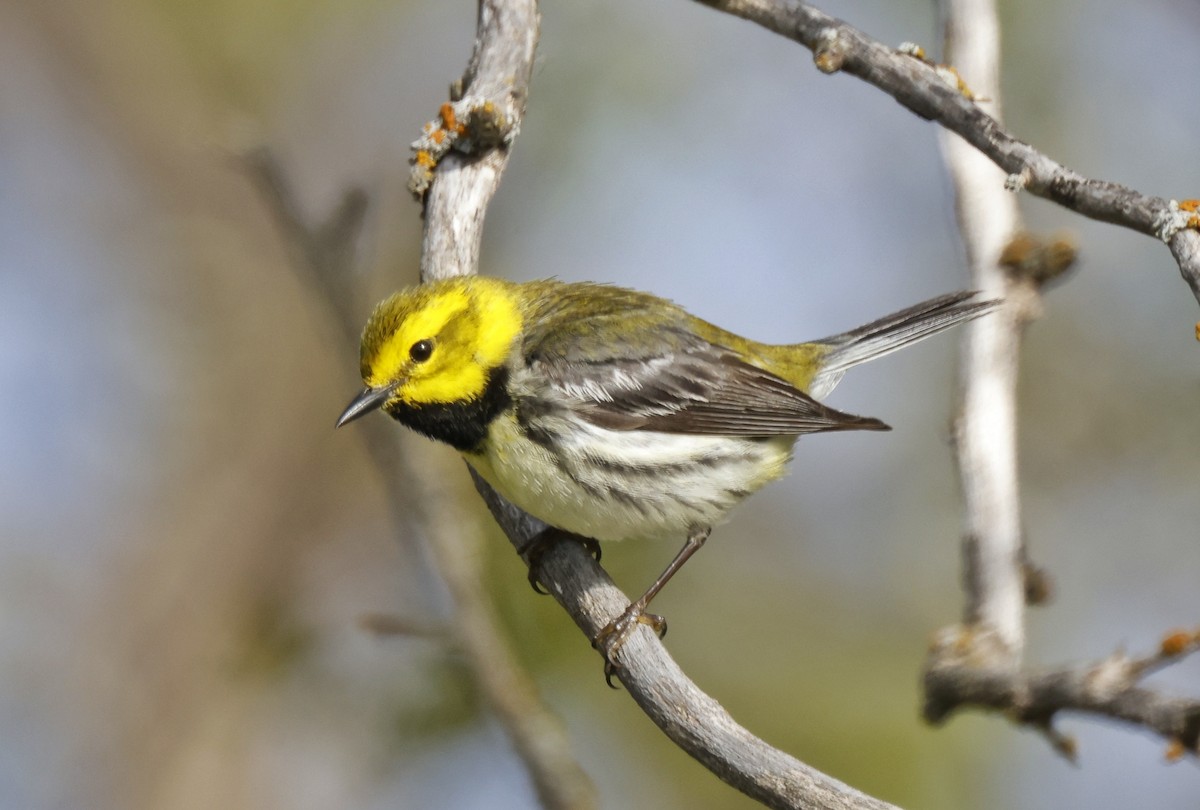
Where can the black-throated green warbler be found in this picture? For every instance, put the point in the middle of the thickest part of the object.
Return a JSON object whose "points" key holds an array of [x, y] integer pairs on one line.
{"points": [[610, 413]]}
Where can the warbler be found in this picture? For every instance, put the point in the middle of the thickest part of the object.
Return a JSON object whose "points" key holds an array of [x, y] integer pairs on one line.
{"points": [[610, 413]]}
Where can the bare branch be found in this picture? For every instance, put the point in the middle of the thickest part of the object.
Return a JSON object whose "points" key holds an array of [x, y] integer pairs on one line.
{"points": [[986, 430], [919, 86], [490, 105], [959, 675]]}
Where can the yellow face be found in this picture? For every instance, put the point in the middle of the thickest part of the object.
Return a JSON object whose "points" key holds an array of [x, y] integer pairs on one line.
{"points": [[436, 343]]}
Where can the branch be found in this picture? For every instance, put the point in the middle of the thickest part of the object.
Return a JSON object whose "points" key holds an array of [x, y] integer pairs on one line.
{"points": [[986, 430], [919, 86], [958, 674], [469, 145]]}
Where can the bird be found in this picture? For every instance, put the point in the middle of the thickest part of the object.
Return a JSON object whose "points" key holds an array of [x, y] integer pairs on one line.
{"points": [[610, 413]]}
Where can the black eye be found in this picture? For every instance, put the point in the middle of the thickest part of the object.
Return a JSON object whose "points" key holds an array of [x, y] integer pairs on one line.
{"points": [[421, 350]]}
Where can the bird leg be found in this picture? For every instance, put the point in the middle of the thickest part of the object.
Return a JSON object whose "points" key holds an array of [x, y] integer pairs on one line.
{"points": [[610, 640]]}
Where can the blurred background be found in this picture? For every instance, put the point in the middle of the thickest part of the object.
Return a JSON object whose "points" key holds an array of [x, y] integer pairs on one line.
{"points": [[187, 549]]}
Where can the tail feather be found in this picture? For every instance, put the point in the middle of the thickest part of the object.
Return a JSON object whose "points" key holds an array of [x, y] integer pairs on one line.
{"points": [[893, 332]]}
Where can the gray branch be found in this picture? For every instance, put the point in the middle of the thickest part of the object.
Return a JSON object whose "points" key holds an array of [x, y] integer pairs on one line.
{"points": [[986, 430], [490, 103], [979, 662], [919, 86], [962, 672]]}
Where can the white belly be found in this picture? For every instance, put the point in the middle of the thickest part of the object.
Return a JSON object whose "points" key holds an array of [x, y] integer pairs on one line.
{"points": [[613, 485]]}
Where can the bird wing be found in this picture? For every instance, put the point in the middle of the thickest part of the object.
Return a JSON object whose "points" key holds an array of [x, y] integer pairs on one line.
{"points": [[628, 362]]}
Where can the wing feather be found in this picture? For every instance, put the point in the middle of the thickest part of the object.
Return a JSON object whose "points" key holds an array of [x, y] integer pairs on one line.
{"points": [[660, 375]]}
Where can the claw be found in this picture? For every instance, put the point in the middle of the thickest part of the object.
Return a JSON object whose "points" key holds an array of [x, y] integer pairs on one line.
{"points": [[612, 638], [591, 547], [610, 669], [539, 544]]}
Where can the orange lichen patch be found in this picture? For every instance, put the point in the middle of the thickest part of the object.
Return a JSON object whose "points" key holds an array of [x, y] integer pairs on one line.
{"points": [[947, 73], [1197, 330], [951, 76], [1175, 750], [483, 126], [446, 112], [450, 120], [1192, 207], [829, 60], [1177, 642]]}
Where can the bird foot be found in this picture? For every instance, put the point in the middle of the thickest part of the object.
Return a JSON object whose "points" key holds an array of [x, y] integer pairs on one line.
{"points": [[540, 543], [614, 635]]}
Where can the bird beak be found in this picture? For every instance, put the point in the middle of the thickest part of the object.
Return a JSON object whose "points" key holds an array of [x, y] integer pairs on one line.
{"points": [[367, 400]]}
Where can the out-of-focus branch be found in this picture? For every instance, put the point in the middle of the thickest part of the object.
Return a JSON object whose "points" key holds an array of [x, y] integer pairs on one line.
{"points": [[324, 257], [961, 672], [933, 94], [986, 430]]}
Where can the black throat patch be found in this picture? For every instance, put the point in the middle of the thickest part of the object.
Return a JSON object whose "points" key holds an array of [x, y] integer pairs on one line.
{"points": [[462, 425]]}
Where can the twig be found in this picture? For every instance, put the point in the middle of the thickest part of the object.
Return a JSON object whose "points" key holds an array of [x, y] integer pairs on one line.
{"points": [[960, 675], [917, 85]]}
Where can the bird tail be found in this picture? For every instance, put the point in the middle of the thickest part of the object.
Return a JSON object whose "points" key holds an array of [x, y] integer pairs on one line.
{"points": [[893, 332]]}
